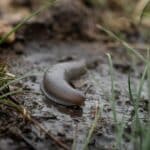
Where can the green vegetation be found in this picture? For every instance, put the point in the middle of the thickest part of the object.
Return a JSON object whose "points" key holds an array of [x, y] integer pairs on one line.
{"points": [[18, 26], [119, 124], [5, 78], [140, 130], [140, 133], [93, 126]]}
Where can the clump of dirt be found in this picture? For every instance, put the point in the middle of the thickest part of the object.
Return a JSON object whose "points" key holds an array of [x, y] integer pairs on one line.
{"points": [[69, 20], [73, 19]]}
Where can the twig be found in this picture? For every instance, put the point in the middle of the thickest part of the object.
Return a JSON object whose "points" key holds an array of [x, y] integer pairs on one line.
{"points": [[27, 115], [74, 145], [17, 132], [61, 144]]}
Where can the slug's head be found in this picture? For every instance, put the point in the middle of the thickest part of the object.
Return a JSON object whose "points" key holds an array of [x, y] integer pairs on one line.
{"points": [[77, 99]]}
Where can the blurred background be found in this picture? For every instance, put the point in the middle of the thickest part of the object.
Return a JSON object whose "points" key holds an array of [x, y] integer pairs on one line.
{"points": [[78, 19]]}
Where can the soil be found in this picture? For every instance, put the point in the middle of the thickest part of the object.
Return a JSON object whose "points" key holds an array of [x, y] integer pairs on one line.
{"points": [[36, 50]]}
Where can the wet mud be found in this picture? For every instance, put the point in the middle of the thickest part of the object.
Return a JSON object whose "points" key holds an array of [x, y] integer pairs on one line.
{"points": [[66, 122]]}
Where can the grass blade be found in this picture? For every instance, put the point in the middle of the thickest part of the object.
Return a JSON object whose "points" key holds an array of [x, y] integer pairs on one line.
{"points": [[143, 11], [94, 124], [15, 80], [18, 26], [130, 90], [112, 98], [148, 82], [10, 93], [142, 82], [125, 44]]}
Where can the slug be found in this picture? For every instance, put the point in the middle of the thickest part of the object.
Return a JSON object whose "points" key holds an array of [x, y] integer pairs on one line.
{"points": [[56, 84]]}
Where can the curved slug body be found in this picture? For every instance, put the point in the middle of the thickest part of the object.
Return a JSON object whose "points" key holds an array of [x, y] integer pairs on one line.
{"points": [[56, 83]]}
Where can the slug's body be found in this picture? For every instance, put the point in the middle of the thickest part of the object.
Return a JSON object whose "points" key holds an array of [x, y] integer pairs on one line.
{"points": [[56, 83]]}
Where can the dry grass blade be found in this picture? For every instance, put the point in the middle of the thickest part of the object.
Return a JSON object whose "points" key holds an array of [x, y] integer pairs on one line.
{"points": [[21, 109], [140, 10], [27, 115], [57, 141], [94, 124], [17, 132]]}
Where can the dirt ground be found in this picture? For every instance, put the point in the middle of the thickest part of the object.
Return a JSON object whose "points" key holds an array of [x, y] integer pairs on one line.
{"points": [[37, 47]]}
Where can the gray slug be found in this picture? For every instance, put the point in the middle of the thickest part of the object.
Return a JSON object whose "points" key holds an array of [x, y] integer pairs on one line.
{"points": [[56, 82]]}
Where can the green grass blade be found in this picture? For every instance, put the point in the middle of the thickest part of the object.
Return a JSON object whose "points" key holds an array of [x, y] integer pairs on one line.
{"points": [[18, 26], [146, 143], [15, 80], [112, 98], [140, 87], [119, 125], [142, 81], [148, 82], [10, 93], [125, 44], [130, 90], [137, 126]]}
